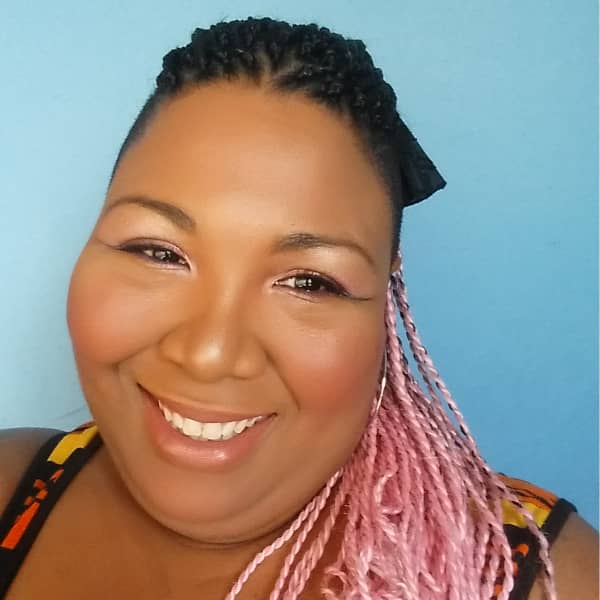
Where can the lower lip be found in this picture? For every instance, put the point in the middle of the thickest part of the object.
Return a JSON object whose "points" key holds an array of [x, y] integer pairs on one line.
{"points": [[181, 450]]}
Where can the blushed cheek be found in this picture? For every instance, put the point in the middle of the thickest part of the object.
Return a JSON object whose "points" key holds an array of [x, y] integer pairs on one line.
{"points": [[107, 322], [337, 373]]}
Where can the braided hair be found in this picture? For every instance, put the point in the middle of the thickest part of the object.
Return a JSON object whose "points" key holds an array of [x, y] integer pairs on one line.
{"points": [[322, 65], [423, 510]]}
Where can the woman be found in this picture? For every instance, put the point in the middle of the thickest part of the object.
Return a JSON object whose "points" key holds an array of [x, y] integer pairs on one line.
{"points": [[257, 430]]}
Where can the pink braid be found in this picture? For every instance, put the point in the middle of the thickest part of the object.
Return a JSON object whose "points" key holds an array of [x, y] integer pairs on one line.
{"points": [[306, 529], [309, 510], [497, 488], [305, 567], [423, 509]]}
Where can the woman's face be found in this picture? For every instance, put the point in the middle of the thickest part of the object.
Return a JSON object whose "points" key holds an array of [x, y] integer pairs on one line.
{"points": [[195, 288]]}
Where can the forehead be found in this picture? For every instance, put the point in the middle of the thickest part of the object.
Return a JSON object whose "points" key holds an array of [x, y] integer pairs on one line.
{"points": [[280, 156]]}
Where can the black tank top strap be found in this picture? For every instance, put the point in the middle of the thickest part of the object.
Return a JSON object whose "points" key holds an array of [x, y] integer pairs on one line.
{"points": [[550, 514], [52, 469]]}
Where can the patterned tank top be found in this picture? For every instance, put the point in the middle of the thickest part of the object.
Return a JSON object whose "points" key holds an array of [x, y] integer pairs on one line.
{"points": [[60, 459]]}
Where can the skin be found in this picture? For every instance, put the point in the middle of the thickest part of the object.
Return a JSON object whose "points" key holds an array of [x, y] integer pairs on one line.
{"points": [[225, 326]]}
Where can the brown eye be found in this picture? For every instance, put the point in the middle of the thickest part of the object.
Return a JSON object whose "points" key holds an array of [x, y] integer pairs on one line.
{"points": [[313, 285], [156, 253]]}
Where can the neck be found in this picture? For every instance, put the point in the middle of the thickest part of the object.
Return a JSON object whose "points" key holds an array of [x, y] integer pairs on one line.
{"points": [[189, 564]]}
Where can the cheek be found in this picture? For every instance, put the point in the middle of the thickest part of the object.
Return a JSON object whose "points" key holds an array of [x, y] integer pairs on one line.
{"points": [[332, 378], [108, 320], [337, 371]]}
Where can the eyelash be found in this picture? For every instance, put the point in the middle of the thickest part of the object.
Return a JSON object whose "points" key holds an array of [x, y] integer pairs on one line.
{"points": [[333, 288], [142, 249]]}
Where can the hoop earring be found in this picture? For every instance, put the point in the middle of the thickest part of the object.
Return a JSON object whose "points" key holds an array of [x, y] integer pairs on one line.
{"points": [[383, 384]]}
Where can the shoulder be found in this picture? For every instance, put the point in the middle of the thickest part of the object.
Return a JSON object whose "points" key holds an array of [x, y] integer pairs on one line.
{"points": [[18, 448], [575, 558], [574, 543]]}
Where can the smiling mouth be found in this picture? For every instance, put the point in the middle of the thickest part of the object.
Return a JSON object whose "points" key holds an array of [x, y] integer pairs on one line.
{"points": [[194, 429], [198, 430]]}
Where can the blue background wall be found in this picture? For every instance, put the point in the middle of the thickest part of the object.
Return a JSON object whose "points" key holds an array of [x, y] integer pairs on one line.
{"points": [[501, 266]]}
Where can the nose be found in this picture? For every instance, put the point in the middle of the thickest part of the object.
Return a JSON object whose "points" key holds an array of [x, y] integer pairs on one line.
{"points": [[214, 341]]}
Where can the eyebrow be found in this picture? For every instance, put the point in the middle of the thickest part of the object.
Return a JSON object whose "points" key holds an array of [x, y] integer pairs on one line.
{"points": [[300, 240], [177, 216]]}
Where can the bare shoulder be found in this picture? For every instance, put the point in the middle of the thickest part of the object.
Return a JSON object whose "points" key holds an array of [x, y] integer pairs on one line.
{"points": [[575, 558], [17, 448]]}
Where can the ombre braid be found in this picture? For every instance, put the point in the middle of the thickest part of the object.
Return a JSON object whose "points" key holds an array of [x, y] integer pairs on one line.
{"points": [[421, 508]]}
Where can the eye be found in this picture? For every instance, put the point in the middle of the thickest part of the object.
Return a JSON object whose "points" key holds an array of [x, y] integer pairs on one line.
{"points": [[156, 253], [313, 284]]}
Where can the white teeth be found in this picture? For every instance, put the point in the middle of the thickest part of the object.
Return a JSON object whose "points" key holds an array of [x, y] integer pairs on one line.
{"points": [[191, 427], [207, 431], [212, 431], [239, 426], [228, 430], [176, 419]]}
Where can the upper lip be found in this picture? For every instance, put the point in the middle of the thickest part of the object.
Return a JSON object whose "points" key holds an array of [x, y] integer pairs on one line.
{"points": [[200, 414]]}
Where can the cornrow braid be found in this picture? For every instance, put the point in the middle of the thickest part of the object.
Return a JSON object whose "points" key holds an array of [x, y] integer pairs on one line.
{"points": [[324, 66]]}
